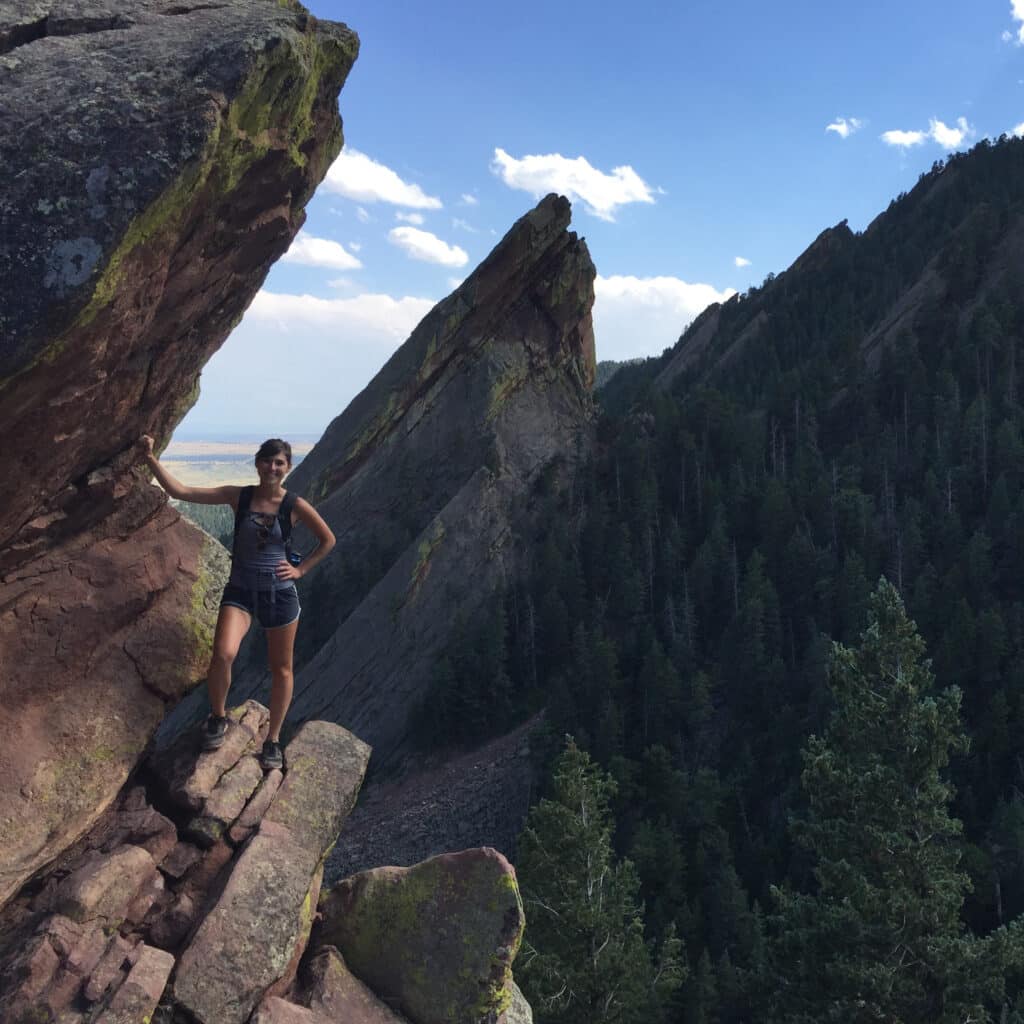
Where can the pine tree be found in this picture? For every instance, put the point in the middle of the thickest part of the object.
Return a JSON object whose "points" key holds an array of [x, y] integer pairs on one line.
{"points": [[584, 959], [881, 938]]}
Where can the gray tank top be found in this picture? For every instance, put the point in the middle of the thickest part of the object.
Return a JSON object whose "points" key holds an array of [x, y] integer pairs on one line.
{"points": [[259, 548]]}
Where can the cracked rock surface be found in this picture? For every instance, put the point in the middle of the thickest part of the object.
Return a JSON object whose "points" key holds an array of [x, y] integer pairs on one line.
{"points": [[136, 922]]}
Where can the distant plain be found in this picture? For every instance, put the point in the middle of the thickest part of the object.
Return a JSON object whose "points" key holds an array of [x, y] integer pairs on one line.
{"points": [[210, 463]]}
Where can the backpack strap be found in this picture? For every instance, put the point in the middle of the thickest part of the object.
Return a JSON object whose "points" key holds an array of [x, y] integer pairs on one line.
{"points": [[284, 515], [245, 500]]}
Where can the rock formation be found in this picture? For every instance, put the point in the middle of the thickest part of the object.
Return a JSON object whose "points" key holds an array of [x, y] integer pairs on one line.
{"points": [[431, 468], [156, 157], [147, 917], [436, 940]]}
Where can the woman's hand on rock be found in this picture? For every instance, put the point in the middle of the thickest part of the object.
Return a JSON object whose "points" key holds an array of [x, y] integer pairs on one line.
{"points": [[144, 446]]}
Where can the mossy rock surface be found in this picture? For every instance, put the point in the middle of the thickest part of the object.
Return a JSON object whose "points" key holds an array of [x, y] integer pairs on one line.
{"points": [[437, 940], [325, 766]]}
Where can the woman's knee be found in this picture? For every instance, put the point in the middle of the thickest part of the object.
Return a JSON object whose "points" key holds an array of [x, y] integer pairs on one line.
{"points": [[223, 658], [282, 672]]}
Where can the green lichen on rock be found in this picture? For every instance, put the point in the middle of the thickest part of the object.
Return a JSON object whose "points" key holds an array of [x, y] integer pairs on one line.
{"points": [[424, 553], [273, 109], [504, 387], [439, 937], [201, 619]]}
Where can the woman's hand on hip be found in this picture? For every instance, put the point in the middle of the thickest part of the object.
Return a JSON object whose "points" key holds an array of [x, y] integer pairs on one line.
{"points": [[287, 571]]}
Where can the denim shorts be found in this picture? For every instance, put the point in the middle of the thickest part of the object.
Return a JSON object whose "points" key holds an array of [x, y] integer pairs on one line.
{"points": [[270, 608]]}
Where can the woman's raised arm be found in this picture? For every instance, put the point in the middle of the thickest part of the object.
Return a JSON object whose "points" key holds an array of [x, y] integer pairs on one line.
{"points": [[226, 495]]}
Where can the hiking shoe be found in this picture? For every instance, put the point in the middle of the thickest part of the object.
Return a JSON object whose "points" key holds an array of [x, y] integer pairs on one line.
{"points": [[271, 756], [214, 731]]}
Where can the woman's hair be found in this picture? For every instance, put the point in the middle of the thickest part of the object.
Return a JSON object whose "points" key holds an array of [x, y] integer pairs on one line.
{"points": [[275, 446]]}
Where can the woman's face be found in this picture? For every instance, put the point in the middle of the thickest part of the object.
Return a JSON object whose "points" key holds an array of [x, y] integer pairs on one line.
{"points": [[273, 469]]}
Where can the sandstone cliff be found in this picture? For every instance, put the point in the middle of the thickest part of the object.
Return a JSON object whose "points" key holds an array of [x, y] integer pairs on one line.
{"points": [[156, 159]]}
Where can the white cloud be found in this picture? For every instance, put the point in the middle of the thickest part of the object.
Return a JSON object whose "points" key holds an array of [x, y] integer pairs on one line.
{"points": [[1017, 12], [1018, 132], [741, 261], [950, 138], [422, 245], [355, 246], [357, 176], [636, 316], [469, 200], [1007, 36], [346, 339], [602, 194], [377, 314], [320, 252], [903, 139], [362, 215], [409, 218], [844, 127], [458, 222], [454, 282]]}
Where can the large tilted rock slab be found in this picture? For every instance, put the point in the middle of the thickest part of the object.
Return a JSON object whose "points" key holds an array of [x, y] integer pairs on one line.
{"points": [[326, 766], [436, 940], [156, 159], [251, 937], [250, 943], [94, 639]]}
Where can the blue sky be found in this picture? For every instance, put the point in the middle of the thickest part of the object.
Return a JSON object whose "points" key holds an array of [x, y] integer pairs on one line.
{"points": [[703, 146]]}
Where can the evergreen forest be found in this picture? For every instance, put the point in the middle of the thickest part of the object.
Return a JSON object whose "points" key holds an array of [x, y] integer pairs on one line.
{"points": [[780, 612]]}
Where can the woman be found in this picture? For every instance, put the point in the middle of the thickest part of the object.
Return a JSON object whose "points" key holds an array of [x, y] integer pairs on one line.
{"points": [[262, 582]]}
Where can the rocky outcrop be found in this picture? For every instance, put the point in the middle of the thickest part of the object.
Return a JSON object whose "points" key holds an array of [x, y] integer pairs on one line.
{"points": [[136, 914], [252, 939], [436, 940], [156, 158], [137, 903], [427, 477]]}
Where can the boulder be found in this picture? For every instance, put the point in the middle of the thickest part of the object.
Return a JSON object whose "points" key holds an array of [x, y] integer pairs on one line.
{"points": [[325, 768], [275, 1010], [157, 159], [180, 859], [109, 970], [252, 937], [136, 999], [105, 887], [436, 940], [336, 994]]}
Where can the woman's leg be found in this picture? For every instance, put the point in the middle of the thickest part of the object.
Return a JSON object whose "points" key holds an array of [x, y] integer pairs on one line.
{"points": [[280, 645], [232, 625]]}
